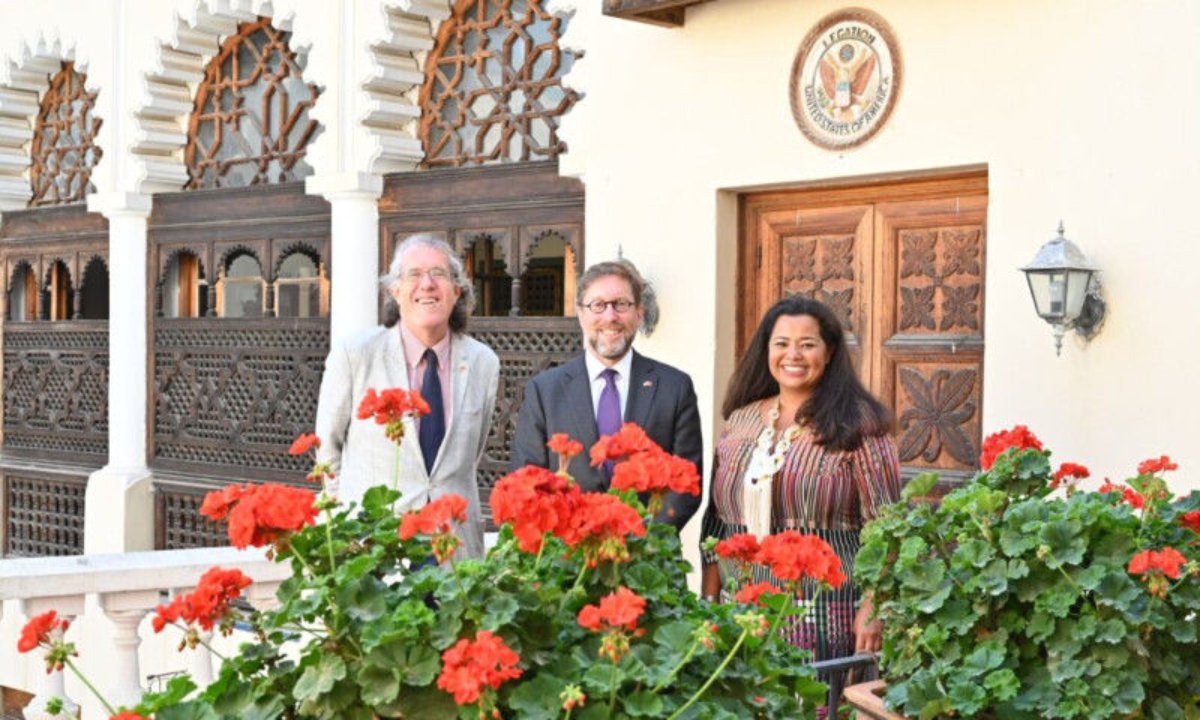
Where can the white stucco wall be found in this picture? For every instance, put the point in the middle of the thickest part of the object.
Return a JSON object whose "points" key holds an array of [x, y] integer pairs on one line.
{"points": [[1085, 111]]}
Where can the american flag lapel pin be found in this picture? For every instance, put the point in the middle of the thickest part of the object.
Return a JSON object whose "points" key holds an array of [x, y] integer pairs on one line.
{"points": [[648, 383]]}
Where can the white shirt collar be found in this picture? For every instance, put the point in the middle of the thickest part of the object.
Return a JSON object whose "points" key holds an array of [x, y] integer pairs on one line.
{"points": [[594, 367]]}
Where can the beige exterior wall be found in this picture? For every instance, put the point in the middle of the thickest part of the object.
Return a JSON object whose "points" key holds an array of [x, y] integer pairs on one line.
{"points": [[1085, 111]]}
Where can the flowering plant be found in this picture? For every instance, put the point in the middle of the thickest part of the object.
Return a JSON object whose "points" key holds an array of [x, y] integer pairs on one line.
{"points": [[581, 610], [1022, 596]]}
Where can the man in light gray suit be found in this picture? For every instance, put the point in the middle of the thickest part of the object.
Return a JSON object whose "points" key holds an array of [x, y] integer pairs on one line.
{"points": [[427, 351], [609, 384]]}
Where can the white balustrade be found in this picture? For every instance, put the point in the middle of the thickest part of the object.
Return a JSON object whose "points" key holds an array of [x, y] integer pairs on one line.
{"points": [[109, 598]]}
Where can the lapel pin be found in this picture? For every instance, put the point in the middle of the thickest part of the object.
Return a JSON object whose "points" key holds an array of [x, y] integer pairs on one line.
{"points": [[648, 383]]}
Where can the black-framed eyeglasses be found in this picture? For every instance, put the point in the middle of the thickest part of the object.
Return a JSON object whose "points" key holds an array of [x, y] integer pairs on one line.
{"points": [[597, 307]]}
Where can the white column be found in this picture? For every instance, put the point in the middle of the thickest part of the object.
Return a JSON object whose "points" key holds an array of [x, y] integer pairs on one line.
{"points": [[354, 248], [119, 511], [125, 609]]}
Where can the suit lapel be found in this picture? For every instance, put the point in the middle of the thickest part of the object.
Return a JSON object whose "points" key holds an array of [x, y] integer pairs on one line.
{"points": [[643, 383], [460, 376], [577, 391]]}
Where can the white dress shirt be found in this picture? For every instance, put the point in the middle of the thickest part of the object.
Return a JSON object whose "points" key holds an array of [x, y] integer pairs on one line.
{"points": [[595, 368]]}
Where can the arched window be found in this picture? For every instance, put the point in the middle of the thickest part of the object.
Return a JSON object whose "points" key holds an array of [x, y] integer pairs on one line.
{"points": [[298, 287], [22, 295], [489, 273], [57, 294], [250, 121], [241, 291], [493, 85], [548, 285], [94, 303], [184, 289], [64, 150]]}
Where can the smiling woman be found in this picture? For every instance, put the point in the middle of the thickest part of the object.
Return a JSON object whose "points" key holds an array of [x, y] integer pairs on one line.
{"points": [[806, 448]]}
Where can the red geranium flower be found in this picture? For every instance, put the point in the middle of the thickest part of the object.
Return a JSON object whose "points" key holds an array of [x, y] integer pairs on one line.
{"points": [[128, 715], [995, 444], [656, 471], [1191, 520], [1156, 465], [39, 628], [390, 407], [625, 442], [1168, 561], [1128, 495], [304, 443], [1069, 470], [207, 605], [565, 447], [435, 517], [472, 666], [536, 501], [751, 594], [599, 526], [618, 610], [793, 556], [742, 547], [259, 514]]}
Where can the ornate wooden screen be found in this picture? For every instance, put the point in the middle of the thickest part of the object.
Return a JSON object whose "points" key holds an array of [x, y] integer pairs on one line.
{"points": [[64, 141], [250, 122], [55, 380], [902, 265], [230, 394], [515, 207], [493, 87]]}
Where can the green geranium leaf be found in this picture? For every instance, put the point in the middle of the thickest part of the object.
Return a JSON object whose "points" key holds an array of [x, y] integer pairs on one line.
{"points": [[926, 576], [378, 500], [316, 680], [644, 704], [1164, 708], [421, 665], [538, 699], [1040, 627], [987, 656], [378, 685], [1129, 695], [194, 710], [1066, 542], [1003, 684], [920, 486], [501, 609], [363, 599]]}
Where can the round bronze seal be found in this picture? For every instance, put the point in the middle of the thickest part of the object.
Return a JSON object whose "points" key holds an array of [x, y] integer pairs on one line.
{"points": [[845, 79]]}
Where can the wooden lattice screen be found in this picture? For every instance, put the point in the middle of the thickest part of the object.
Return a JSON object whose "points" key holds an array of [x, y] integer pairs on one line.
{"points": [[64, 141], [250, 123], [493, 87]]}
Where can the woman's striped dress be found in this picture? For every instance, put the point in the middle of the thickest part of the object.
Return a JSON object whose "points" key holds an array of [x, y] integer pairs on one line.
{"points": [[828, 493]]}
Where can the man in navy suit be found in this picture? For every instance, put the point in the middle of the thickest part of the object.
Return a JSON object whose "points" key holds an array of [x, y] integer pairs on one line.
{"points": [[608, 384]]}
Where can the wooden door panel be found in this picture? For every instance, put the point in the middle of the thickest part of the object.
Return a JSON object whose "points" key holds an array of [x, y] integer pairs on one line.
{"points": [[930, 326]]}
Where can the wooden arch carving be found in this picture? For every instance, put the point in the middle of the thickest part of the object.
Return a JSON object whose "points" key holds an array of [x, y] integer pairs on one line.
{"points": [[64, 147], [250, 122], [493, 88]]}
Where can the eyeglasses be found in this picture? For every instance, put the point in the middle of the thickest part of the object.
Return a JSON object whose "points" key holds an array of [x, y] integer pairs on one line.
{"points": [[436, 274], [597, 307]]}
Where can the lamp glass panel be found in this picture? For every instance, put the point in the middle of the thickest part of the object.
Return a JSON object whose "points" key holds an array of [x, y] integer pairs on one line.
{"points": [[1076, 291], [1048, 288]]}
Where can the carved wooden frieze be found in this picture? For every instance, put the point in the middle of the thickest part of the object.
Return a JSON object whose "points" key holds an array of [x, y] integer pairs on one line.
{"points": [[230, 396], [56, 390], [669, 13], [44, 514]]}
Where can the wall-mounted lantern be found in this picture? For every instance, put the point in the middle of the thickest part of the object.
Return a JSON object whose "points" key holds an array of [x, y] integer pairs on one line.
{"points": [[1065, 288]]}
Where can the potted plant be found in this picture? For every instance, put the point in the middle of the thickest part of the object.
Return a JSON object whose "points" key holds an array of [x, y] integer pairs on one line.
{"points": [[1021, 596], [580, 611]]}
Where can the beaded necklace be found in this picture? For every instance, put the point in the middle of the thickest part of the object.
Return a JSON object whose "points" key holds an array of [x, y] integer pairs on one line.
{"points": [[765, 461]]}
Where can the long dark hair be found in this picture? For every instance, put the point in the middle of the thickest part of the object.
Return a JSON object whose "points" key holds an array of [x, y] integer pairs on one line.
{"points": [[841, 412]]}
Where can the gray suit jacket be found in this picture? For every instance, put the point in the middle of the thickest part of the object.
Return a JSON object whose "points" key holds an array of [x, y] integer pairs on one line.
{"points": [[363, 457], [661, 400]]}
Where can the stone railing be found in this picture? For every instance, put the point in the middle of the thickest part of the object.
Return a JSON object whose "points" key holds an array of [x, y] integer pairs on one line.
{"points": [[109, 599]]}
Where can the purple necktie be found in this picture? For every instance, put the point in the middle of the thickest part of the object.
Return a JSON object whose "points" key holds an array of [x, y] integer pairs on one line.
{"points": [[608, 411]]}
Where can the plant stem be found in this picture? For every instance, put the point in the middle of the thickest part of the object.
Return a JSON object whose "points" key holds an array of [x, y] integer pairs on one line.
{"points": [[686, 658], [578, 582], [396, 476], [90, 686], [715, 674], [612, 690], [329, 540]]}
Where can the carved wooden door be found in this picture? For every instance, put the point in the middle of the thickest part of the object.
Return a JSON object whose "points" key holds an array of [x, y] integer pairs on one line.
{"points": [[901, 263]]}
